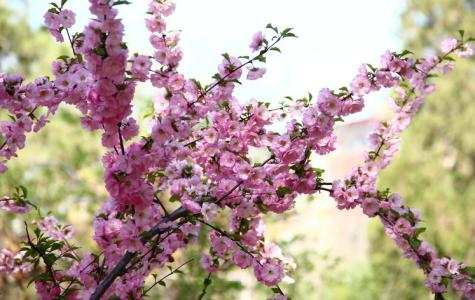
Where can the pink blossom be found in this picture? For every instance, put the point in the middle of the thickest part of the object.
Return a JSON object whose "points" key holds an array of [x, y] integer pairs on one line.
{"points": [[13, 206], [269, 273], [141, 66], [67, 17], [403, 226], [220, 244], [208, 263], [227, 159], [328, 103], [229, 69], [448, 45], [257, 41], [242, 259], [255, 73], [360, 86], [466, 51], [192, 206], [370, 207], [155, 24], [7, 261], [209, 211], [52, 20]]}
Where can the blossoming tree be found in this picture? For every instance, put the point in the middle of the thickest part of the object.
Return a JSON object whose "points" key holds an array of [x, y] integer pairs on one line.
{"points": [[196, 155]]}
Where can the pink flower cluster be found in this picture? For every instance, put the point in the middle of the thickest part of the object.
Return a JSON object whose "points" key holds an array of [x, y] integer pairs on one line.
{"points": [[359, 187], [13, 263], [49, 225], [198, 154], [58, 20], [14, 206], [23, 101]]}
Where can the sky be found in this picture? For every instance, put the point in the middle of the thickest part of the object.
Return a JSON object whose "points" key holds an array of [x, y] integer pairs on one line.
{"points": [[334, 38]]}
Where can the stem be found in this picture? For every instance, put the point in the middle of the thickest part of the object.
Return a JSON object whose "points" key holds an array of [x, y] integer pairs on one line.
{"points": [[222, 80], [166, 276], [165, 211], [205, 287], [121, 139], [224, 233], [70, 41]]}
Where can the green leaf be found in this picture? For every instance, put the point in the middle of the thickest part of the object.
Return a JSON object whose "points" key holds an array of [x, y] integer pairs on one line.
{"points": [[282, 191], [69, 255], [470, 271], [439, 296], [262, 207], [290, 34], [54, 5], [415, 243], [244, 226], [121, 2], [276, 290], [49, 259], [235, 81], [404, 53], [162, 283], [286, 31], [272, 27], [275, 49], [175, 198], [461, 32], [319, 172], [371, 67], [339, 119], [207, 281], [418, 231], [226, 57], [79, 57], [23, 190], [261, 58]]}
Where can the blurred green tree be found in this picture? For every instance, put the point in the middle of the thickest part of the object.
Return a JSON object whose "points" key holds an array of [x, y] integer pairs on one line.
{"points": [[63, 177], [435, 170], [18, 39]]}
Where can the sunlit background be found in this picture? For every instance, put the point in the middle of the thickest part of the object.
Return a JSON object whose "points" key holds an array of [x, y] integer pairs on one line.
{"points": [[339, 254]]}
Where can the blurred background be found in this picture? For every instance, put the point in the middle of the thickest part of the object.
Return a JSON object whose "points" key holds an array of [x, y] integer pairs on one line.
{"points": [[339, 255]]}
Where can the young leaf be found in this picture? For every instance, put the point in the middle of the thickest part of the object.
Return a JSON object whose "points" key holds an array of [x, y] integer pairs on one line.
{"points": [[121, 2], [226, 57], [439, 296]]}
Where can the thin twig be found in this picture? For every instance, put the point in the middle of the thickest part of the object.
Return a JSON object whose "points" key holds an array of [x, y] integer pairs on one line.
{"points": [[166, 276]]}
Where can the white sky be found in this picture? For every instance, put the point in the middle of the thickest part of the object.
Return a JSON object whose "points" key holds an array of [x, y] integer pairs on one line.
{"points": [[335, 37]]}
